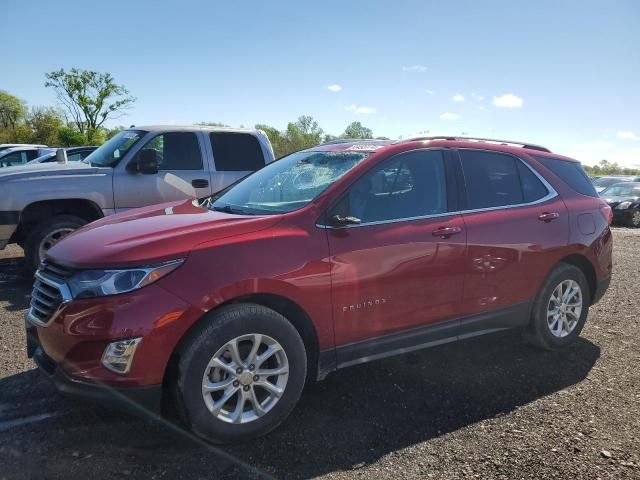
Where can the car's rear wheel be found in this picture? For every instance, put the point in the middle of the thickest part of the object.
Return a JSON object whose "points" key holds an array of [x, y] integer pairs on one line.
{"points": [[560, 309], [634, 220], [239, 374], [45, 235]]}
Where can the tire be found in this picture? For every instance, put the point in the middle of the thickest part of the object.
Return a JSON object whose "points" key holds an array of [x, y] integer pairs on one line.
{"points": [[555, 334], [61, 224], [634, 220], [197, 409]]}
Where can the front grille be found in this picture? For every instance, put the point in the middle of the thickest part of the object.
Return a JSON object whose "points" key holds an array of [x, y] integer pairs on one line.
{"points": [[49, 291]]}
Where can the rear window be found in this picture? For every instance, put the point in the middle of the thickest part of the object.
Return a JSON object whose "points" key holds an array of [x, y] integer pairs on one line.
{"points": [[236, 152], [571, 173]]}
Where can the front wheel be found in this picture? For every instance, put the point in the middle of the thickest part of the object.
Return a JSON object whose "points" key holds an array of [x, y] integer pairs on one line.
{"points": [[560, 309], [634, 219], [45, 235], [239, 374]]}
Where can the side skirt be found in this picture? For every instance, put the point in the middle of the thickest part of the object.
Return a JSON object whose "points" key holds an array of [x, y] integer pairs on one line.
{"points": [[423, 337]]}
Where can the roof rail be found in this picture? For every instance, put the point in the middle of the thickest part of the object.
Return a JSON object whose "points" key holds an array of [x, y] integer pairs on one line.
{"points": [[530, 146], [338, 141]]}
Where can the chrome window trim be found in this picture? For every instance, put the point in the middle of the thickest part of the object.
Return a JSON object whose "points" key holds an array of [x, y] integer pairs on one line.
{"points": [[65, 293], [549, 196]]}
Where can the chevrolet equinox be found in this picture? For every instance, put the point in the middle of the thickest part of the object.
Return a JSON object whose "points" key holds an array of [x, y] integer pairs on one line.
{"points": [[340, 254]]}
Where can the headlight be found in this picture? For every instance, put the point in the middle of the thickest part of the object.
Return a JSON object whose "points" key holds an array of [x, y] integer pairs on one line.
{"points": [[99, 283], [623, 205]]}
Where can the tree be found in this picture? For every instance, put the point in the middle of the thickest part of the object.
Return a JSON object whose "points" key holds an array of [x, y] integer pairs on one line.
{"points": [[12, 110], [71, 137], [301, 134], [90, 97], [357, 130], [45, 122]]}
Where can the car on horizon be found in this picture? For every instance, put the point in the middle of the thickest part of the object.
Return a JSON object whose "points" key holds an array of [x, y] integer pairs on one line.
{"points": [[602, 183], [624, 200], [74, 154], [222, 309], [4, 146], [16, 156]]}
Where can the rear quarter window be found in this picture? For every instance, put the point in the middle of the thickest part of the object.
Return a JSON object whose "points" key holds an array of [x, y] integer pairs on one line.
{"points": [[571, 173], [236, 152]]}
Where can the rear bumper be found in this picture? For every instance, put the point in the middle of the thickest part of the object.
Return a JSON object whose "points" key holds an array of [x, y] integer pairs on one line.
{"points": [[601, 288], [139, 400]]}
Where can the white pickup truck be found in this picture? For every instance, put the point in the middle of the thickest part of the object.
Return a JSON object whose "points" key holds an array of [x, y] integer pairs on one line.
{"points": [[140, 166]]}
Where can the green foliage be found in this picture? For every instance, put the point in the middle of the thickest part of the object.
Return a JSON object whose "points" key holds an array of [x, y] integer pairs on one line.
{"points": [[44, 122], [606, 167], [357, 130], [71, 137], [12, 110], [90, 97]]}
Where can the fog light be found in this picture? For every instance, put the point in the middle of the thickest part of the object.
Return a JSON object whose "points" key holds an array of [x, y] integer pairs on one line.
{"points": [[118, 356]]}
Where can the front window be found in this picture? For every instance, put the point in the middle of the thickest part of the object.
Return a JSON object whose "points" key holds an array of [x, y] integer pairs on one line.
{"points": [[621, 190], [111, 152], [605, 182], [288, 184]]}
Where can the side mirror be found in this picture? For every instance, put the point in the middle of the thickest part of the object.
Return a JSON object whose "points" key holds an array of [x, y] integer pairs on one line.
{"points": [[148, 161], [340, 221], [61, 155]]}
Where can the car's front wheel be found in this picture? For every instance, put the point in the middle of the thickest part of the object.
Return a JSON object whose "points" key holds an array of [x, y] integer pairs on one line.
{"points": [[634, 219], [240, 373]]}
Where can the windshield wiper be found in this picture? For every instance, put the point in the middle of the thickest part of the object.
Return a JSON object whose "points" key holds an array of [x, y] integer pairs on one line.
{"points": [[230, 209]]}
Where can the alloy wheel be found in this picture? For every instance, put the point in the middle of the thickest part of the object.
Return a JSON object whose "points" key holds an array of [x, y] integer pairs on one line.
{"points": [[245, 378], [564, 308], [51, 239]]}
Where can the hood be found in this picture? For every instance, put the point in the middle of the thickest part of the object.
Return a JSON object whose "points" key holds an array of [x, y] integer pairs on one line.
{"points": [[144, 236], [612, 201], [39, 170]]}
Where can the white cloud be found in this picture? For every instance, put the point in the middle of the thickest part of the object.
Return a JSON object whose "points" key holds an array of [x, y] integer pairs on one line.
{"points": [[334, 88], [414, 68], [458, 98], [430, 92], [360, 110], [508, 100], [449, 116], [627, 135]]}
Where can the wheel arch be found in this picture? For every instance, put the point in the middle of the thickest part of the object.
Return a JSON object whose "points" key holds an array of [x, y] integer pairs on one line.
{"points": [[286, 307], [584, 264], [35, 212]]}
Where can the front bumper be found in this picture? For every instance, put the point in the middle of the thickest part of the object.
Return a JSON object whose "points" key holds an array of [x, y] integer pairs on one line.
{"points": [[141, 400], [8, 225]]}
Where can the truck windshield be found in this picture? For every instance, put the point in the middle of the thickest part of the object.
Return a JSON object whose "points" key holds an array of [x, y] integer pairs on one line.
{"points": [[288, 184], [112, 151]]}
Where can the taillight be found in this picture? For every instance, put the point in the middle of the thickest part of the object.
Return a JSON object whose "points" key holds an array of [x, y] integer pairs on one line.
{"points": [[607, 213]]}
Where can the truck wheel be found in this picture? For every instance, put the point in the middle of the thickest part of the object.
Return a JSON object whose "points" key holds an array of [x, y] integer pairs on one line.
{"points": [[560, 309], [239, 374], [46, 234]]}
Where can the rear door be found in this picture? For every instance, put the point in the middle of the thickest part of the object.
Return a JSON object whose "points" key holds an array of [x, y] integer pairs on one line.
{"points": [[403, 265], [235, 155], [182, 172], [515, 222]]}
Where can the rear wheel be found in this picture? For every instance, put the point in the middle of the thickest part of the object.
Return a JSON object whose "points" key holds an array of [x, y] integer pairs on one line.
{"points": [[45, 235], [560, 309], [634, 220], [239, 374]]}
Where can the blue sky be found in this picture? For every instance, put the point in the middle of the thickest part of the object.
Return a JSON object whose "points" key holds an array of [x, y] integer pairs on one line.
{"points": [[564, 74]]}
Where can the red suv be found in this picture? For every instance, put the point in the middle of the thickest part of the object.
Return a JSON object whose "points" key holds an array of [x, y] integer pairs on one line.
{"points": [[329, 257]]}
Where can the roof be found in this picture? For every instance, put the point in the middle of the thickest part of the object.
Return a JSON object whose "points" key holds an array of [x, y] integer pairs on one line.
{"points": [[205, 128]]}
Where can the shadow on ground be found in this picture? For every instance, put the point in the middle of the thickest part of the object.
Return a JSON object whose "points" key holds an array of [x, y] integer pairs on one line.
{"points": [[15, 284], [351, 419]]}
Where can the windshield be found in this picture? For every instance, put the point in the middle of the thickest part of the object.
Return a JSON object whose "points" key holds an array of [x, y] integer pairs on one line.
{"points": [[621, 190], [110, 152], [607, 181], [288, 184]]}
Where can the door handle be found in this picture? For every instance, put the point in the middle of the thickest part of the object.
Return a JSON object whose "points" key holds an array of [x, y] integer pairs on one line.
{"points": [[200, 183], [548, 216], [446, 232]]}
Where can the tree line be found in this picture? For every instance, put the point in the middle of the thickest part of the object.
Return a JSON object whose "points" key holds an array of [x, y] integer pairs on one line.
{"points": [[88, 99]]}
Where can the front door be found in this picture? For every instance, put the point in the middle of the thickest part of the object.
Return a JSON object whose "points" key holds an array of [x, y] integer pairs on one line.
{"points": [[402, 266], [182, 173]]}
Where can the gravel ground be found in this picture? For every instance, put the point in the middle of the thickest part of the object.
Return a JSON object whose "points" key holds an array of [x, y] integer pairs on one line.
{"points": [[484, 408]]}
